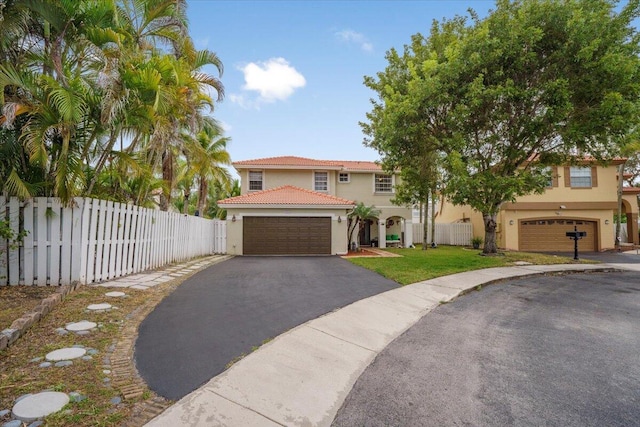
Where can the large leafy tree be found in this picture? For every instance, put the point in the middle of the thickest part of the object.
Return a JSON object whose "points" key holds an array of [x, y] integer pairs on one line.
{"points": [[536, 82]]}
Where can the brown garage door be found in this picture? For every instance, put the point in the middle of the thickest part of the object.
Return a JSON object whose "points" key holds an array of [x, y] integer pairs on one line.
{"points": [[548, 235], [286, 236]]}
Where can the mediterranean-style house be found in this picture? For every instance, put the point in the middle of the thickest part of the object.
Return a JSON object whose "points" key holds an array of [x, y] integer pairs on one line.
{"points": [[297, 206], [582, 196]]}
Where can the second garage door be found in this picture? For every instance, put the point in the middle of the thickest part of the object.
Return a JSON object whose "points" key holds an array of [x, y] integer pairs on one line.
{"points": [[548, 235], [286, 236]]}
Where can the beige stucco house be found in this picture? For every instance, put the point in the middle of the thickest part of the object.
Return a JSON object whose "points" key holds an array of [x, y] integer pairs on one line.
{"points": [[298, 206], [584, 196]]}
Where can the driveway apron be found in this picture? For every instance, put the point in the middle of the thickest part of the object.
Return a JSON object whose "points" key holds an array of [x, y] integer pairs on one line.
{"points": [[227, 310]]}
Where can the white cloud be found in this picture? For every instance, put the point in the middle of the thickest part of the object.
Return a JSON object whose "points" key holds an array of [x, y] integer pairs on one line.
{"points": [[225, 126], [274, 80], [350, 36]]}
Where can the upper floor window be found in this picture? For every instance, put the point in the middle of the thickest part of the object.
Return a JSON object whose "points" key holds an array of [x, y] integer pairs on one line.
{"points": [[255, 180], [580, 177], [553, 176], [321, 181], [343, 177], [383, 183]]}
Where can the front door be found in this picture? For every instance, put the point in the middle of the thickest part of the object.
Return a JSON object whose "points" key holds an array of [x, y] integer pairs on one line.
{"points": [[365, 234]]}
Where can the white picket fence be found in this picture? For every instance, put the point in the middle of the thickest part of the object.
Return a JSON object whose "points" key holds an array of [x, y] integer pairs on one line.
{"points": [[96, 240], [456, 234]]}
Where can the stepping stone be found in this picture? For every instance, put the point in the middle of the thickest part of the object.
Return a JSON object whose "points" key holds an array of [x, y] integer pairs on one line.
{"points": [[39, 405], [45, 365], [102, 306], [115, 294], [521, 263], [83, 325], [67, 353], [63, 363], [13, 423]]}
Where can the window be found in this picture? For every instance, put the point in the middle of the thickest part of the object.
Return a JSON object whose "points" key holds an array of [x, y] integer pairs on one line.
{"points": [[255, 180], [343, 177], [384, 183], [553, 176], [580, 177], [321, 181]]}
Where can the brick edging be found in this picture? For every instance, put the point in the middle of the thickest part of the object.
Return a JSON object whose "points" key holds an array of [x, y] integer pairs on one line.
{"points": [[20, 326]]}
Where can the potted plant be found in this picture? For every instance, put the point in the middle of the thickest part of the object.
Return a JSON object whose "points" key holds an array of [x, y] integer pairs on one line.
{"points": [[476, 242]]}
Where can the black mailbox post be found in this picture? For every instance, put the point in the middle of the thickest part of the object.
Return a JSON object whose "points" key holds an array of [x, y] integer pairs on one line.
{"points": [[576, 235]]}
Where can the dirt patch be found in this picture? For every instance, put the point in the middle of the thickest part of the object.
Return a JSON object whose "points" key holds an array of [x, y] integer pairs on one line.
{"points": [[362, 252], [18, 300]]}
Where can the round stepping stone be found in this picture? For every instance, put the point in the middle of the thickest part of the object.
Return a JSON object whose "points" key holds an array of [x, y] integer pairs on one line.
{"points": [[115, 294], [39, 405], [65, 354], [83, 325], [101, 306]]}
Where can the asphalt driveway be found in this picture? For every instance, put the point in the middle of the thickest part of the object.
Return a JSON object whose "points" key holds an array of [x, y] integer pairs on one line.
{"points": [[228, 309], [559, 350]]}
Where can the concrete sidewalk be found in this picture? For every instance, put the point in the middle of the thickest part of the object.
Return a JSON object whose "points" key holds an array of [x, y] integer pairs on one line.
{"points": [[302, 377]]}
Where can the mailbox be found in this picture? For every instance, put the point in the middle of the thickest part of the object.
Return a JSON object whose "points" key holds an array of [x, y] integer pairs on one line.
{"points": [[576, 234]]}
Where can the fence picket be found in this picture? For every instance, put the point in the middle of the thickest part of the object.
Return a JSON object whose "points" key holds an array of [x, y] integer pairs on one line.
{"points": [[14, 251], [66, 214], [28, 261], [41, 247], [55, 221]]}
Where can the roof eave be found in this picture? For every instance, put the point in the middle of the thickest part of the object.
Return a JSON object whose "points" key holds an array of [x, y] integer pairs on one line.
{"points": [[281, 206]]}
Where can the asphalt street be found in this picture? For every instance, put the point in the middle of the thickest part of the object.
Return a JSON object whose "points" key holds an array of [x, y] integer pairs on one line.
{"points": [[232, 307], [549, 350]]}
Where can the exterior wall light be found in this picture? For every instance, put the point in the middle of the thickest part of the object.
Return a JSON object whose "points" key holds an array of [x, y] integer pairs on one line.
{"points": [[233, 218], [606, 221], [510, 222], [339, 218]]}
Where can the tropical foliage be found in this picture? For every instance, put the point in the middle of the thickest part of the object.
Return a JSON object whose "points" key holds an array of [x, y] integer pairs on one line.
{"points": [[106, 98], [358, 215]]}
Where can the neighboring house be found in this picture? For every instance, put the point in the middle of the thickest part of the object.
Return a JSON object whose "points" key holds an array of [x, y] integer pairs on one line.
{"points": [[584, 196], [298, 206]]}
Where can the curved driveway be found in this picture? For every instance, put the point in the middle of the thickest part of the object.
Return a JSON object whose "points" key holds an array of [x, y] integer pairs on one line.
{"points": [[561, 350], [230, 308]]}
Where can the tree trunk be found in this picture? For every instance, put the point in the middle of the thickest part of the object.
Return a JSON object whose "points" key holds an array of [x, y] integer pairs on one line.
{"points": [[490, 226], [167, 176], [425, 226], [619, 222], [203, 190], [433, 216], [185, 201]]}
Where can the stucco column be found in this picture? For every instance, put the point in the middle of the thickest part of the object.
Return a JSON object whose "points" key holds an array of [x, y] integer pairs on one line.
{"points": [[382, 233], [632, 228], [408, 233]]}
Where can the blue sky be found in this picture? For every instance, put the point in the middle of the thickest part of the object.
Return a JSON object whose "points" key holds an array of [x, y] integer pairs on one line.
{"points": [[294, 69]]}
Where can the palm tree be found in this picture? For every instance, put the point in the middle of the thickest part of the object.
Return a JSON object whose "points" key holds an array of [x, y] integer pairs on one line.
{"points": [[357, 216]]}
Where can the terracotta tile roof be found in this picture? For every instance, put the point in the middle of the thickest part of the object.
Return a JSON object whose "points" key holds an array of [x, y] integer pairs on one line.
{"points": [[287, 195], [631, 190], [290, 162]]}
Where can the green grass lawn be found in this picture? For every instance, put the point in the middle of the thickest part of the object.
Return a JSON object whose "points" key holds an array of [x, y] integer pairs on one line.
{"points": [[416, 265]]}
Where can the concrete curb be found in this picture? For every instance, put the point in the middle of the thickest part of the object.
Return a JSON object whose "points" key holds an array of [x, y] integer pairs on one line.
{"points": [[302, 377]]}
